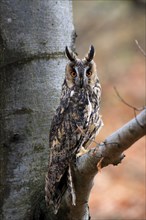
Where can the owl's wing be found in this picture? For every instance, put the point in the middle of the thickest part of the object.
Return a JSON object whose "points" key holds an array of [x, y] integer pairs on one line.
{"points": [[65, 139], [96, 124]]}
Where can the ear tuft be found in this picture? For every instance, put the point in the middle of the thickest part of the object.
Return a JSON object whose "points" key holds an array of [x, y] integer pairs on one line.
{"points": [[70, 55], [90, 55]]}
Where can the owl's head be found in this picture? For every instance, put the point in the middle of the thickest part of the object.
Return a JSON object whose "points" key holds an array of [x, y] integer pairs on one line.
{"points": [[80, 72]]}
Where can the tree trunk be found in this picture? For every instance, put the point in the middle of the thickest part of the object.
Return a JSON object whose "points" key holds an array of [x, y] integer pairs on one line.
{"points": [[33, 35]]}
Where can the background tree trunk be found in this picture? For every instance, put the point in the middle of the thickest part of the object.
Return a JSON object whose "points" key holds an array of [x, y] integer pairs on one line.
{"points": [[33, 35]]}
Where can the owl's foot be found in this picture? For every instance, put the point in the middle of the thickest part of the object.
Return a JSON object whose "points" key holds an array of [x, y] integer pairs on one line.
{"points": [[82, 152]]}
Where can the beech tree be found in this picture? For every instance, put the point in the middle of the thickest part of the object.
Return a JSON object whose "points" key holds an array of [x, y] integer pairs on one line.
{"points": [[33, 35]]}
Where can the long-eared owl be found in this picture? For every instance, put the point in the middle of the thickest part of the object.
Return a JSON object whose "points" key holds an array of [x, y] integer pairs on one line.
{"points": [[75, 124]]}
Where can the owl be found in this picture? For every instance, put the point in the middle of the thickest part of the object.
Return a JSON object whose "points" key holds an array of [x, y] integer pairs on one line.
{"points": [[74, 126]]}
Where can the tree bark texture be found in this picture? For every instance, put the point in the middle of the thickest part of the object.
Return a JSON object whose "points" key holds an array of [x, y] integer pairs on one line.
{"points": [[33, 35]]}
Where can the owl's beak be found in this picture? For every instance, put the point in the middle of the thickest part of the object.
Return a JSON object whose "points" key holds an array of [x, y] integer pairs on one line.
{"points": [[82, 82]]}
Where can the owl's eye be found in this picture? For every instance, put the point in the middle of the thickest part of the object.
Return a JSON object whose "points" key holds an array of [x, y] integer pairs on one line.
{"points": [[73, 74], [88, 74]]}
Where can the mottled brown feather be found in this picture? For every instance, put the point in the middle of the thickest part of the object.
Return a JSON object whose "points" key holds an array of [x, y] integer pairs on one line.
{"points": [[79, 108]]}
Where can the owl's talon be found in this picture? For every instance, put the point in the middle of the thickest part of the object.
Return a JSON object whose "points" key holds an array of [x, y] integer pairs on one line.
{"points": [[82, 152]]}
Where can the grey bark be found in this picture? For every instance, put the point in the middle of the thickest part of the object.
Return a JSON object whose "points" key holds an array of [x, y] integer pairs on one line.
{"points": [[33, 35]]}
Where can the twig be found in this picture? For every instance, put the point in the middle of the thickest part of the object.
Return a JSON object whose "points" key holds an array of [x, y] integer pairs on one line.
{"points": [[140, 48], [126, 103], [137, 119], [134, 108]]}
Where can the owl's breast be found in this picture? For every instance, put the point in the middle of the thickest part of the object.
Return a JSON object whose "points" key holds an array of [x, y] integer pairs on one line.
{"points": [[89, 109], [81, 107]]}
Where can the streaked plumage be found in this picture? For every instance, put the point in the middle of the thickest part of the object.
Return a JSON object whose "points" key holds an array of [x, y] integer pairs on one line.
{"points": [[75, 124]]}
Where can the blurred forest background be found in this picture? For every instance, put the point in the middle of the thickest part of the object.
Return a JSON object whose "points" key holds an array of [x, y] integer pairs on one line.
{"points": [[112, 27]]}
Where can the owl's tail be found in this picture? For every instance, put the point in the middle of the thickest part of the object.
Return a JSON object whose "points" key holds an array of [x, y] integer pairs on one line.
{"points": [[55, 192]]}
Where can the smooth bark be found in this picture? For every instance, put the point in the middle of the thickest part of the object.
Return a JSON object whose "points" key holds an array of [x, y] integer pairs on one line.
{"points": [[33, 36]]}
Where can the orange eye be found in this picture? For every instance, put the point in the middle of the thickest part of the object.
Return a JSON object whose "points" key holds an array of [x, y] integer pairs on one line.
{"points": [[88, 74], [73, 74]]}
